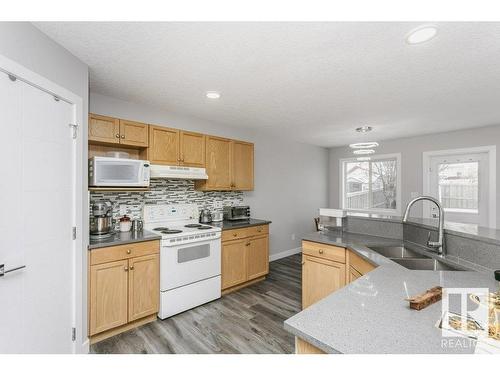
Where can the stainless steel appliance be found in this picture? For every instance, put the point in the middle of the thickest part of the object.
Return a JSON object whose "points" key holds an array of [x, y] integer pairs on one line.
{"points": [[236, 212], [109, 172], [190, 257], [205, 216], [137, 225], [101, 220]]}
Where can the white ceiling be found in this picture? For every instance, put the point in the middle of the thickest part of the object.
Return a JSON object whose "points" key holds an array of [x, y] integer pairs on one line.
{"points": [[313, 82]]}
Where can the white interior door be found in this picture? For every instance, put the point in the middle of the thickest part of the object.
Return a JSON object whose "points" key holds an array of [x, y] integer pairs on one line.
{"points": [[461, 183], [37, 199]]}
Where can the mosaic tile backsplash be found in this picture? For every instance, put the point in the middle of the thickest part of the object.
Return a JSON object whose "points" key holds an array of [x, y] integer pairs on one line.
{"points": [[166, 192]]}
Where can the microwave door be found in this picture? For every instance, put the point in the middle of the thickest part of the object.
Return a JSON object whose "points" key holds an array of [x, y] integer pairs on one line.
{"points": [[110, 173]]}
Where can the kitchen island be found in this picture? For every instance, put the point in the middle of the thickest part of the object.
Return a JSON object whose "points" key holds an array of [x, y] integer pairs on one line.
{"points": [[371, 315]]}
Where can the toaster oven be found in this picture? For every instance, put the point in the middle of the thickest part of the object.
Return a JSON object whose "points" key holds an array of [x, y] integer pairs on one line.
{"points": [[236, 212]]}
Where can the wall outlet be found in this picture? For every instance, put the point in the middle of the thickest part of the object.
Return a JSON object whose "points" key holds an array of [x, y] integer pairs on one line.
{"points": [[218, 204], [293, 236]]}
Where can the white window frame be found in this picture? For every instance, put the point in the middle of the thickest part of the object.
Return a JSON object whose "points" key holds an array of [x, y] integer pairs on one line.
{"points": [[492, 169], [388, 211]]}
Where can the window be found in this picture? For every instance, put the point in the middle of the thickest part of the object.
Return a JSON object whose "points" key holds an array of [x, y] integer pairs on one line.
{"points": [[372, 185], [464, 181]]}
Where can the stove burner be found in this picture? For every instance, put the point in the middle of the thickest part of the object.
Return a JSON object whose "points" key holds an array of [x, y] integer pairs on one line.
{"points": [[204, 227], [192, 226], [171, 231], [160, 228]]}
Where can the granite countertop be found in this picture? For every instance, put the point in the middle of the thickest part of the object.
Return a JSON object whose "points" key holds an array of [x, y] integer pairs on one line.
{"points": [[227, 224], [370, 315], [122, 238]]}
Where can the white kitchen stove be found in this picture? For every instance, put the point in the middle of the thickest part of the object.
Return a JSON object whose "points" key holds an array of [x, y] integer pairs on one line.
{"points": [[190, 257]]}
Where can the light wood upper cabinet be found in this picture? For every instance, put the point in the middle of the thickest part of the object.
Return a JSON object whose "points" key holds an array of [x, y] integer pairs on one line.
{"points": [[133, 133], [218, 164], [320, 277], [104, 129], [242, 165], [234, 263], [143, 286], [192, 149], [108, 296], [163, 145], [257, 253], [229, 164]]}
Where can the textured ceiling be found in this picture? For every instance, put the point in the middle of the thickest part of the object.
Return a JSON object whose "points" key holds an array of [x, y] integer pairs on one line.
{"points": [[312, 82]]}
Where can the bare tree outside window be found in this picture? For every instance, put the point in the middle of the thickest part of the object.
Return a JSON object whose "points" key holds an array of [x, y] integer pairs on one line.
{"points": [[371, 184]]}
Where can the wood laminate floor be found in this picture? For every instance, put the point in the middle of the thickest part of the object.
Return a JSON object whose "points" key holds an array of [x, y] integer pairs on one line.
{"points": [[247, 321]]}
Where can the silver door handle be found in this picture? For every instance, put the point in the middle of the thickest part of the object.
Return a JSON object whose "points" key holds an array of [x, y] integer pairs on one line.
{"points": [[3, 271]]}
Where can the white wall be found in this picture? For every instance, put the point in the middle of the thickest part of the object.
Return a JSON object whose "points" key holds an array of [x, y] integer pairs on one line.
{"points": [[290, 177], [28, 46], [411, 150]]}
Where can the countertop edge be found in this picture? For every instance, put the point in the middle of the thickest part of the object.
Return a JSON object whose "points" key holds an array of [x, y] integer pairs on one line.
{"points": [[148, 237]]}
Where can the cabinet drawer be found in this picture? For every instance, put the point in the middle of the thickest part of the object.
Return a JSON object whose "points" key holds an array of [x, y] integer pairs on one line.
{"points": [[114, 253], [359, 264], [236, 234], [314, 249]]}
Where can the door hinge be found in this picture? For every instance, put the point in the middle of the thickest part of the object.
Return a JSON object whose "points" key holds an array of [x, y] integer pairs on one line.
{"points": [[73, 334], [74, 233], [74, 127]]}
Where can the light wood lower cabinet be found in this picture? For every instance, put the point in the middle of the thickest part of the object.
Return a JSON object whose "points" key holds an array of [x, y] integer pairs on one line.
{"points": [[320, 277], [245, 257], [108, 296], [326, 268], [234, 263], [353, 275], [257, 256], [123, 288], [143, 286], [303, 347]]}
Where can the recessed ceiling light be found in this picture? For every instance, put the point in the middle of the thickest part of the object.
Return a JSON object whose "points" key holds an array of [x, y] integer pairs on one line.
{"points": [[363, 151], [364, 129], [364, 145], [363, 158], [421, 34], [213, 95]]}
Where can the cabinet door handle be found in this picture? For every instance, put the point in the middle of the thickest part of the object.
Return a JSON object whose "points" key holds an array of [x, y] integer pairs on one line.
{"points": [[123, 136], [259, 230], [303, 263], [321, 251], [118, 136], [247, 244], [131, 268], [235, 234], [129, 251], [126, 269]]}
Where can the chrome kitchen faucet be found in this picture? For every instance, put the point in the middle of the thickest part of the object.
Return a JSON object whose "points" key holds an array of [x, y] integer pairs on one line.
{"points": [[439, 244]]}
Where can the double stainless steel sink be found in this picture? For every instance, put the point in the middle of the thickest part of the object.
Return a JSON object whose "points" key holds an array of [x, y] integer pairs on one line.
{"points": [[412, 260]]}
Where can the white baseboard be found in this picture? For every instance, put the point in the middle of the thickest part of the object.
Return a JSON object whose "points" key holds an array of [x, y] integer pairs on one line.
{"points": [[284, 254], [84, 348]]}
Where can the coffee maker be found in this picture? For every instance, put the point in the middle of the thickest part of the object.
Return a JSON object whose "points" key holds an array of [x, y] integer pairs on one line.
{"points": [[101, 220]]}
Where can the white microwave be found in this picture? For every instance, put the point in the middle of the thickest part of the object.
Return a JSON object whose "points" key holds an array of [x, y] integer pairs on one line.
{"points": [[109, 172]]}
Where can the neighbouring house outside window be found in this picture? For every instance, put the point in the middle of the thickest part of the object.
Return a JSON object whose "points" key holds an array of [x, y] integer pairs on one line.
{"points": [[373, 185]]}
